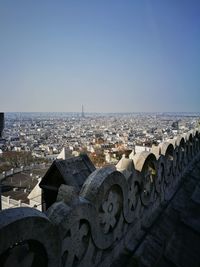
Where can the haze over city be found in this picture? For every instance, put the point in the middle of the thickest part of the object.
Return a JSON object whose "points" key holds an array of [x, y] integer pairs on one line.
{"points": [[99, 133], [111, 56]]}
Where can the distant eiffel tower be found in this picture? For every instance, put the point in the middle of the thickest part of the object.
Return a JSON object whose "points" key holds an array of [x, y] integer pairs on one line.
{"points": [[82, 113]]}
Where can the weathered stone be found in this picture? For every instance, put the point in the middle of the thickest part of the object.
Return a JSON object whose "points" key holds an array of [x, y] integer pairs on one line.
{"points": [[146, 209], [196, 195], [27, 236], [67, 194]]}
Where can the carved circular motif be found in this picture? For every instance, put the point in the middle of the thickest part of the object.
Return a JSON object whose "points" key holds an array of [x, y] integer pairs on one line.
{"points": [[110, 210], [75, 243], [27, 239], [148, 185]]}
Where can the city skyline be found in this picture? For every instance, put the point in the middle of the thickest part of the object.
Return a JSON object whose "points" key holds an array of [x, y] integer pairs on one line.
{"points": [[110, 56]]}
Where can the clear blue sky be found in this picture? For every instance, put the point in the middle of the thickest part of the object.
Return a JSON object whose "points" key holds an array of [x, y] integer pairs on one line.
{"points": [[111, 56]]}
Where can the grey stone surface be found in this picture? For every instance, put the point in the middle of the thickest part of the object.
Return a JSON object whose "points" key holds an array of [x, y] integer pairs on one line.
{"points": [[174, 239], [28, 237], [196, 195], [143, 212], [71, 172]]}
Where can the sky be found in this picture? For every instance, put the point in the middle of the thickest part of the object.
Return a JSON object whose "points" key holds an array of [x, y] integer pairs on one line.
{"points": [[109, 55]]}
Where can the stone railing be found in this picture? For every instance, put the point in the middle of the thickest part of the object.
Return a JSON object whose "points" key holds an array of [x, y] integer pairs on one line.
{"points": [[107, 217], [8, 202]]}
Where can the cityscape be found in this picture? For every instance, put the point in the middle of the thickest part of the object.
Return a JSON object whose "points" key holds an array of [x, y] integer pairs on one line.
{"points": [[44, 135], [37, 139], [100, 133]]}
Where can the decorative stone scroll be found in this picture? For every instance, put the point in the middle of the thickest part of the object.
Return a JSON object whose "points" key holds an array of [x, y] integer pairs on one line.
{"points": [[28, 238], [108, 216]]}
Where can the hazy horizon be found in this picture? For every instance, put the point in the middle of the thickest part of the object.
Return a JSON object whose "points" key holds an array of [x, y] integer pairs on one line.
{"points": [[104, 113], [111, 56]]}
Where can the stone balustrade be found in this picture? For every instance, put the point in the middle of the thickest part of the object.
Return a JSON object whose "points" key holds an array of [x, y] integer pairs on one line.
{"points": [[8, 202], [108, 216]]}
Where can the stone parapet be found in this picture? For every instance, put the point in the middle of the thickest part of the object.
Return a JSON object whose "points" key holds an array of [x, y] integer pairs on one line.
{"points": [[8, 202], [107, 217]]}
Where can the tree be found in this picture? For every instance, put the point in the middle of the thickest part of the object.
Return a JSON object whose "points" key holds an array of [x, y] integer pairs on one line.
{"points": [[16, 159], [98, 157]]}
